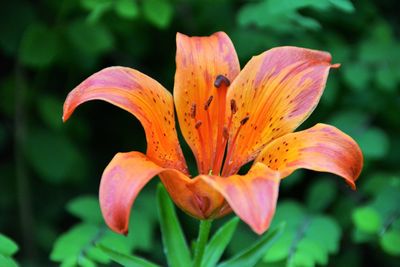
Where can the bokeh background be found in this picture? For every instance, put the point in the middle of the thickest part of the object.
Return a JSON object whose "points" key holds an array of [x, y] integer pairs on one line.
{"points": [[50, 171]]}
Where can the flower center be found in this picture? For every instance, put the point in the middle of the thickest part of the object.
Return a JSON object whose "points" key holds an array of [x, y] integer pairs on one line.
{"points": [[210, 122]]}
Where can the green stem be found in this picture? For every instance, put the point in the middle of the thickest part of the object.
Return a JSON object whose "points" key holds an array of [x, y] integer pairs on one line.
{"points": [[204, 231]]}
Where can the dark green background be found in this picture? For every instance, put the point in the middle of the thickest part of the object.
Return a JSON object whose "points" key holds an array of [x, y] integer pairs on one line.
{"points": [[48, 47]]}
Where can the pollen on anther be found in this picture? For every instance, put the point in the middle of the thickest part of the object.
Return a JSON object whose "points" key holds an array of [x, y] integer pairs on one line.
{"points": [[233, 106], [244, 120], [208, 102], [221, 79], [225, 132], [198, 124], [193, 111]]}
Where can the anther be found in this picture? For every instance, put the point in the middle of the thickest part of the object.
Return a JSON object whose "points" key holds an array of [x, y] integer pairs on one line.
{"points": [[221, 79], [244, 120], [208, 102], [225, 132], [198, 124], [193, 111], [233, 106]]}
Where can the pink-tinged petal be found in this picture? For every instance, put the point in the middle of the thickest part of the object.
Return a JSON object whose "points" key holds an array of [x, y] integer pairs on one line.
{"points": [[321, 148], [120, 184], [200, 105], [194, 196], [252, 196], [143, 97], [274, 93], [128, 173]]}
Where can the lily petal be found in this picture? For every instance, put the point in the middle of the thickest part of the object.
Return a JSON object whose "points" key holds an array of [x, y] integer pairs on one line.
{"points": [[274, 93], [200, 105], [120, 184], [128, 173], [321, 148], [143, 97], [252, 196]]}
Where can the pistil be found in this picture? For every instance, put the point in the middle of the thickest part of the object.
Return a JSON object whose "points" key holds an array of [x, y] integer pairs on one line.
{"points": [[221, 83]]}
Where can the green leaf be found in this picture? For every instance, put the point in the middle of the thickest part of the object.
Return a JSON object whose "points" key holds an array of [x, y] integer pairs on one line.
{"points": [[374, 143], [38, 46], [390, 242], [321, 194], [125, 259], [7, 246], [96, 254], [308, 238], [176, 248], [85, 262], [313, 250], [93, 39], [357, 76], [351, 121], [386, 78], [360, 236], [7, 262], [116, 241], [158, 12], [367, 219], [86, 208], [70, 244], [54, 157], [325, 231], [218, 243], [126, 9], [375, 184], [280, 250], [281, 15], [252, 255], [302, 259], [344, 5], [69, 262], [94, 4], [290, 212], [50, 109]]}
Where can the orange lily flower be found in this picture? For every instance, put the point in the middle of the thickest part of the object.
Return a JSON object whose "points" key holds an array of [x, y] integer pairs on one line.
{"points": [[229, 118]]}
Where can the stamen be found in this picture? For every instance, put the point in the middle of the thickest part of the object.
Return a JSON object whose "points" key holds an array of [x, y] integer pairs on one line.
{"points": [[208, 102], [234, 107], [193, 111], [225, 132], [221, 83], [202, 167], [227, 164], [244, 120], [210, 130], [221, 79], [198, 124]]}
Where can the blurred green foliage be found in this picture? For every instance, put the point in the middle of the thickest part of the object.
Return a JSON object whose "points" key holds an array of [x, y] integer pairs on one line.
{"points": [[48, 47], [7, 249]]}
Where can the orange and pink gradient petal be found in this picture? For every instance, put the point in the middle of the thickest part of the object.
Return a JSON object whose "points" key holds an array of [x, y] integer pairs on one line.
{"points": [[143, 97], [321, 148], [200, 102], [274, 93], [252, 196]]}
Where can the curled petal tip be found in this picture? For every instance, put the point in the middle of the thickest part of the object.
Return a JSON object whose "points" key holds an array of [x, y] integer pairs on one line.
{"points": [[335, 66], [259, 230], [352, 185], [125, 232], [118, 228]]}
